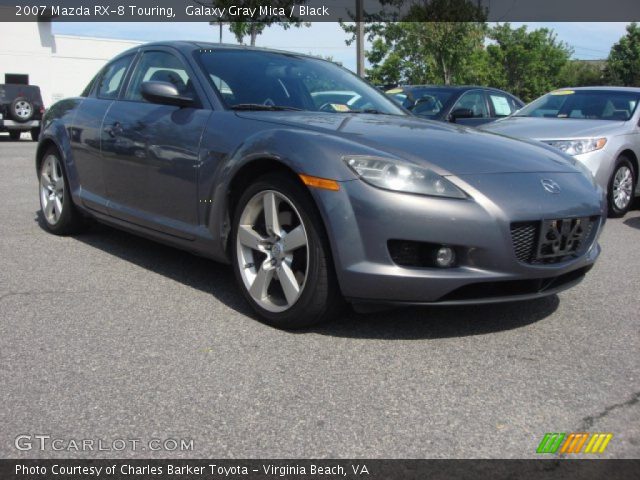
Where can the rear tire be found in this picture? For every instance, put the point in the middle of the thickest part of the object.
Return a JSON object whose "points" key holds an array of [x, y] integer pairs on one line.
{"points": [[60, 215], [35, 134], [15, 135], [283, 266], [621, 187]]}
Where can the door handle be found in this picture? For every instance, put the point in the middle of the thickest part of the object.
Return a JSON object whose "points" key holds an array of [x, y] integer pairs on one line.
{"points": [[114, 129]]}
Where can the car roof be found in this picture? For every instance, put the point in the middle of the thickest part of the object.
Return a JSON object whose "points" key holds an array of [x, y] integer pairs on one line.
{"points": [[21, 85], [602, 89], [190, 45], [449, 87]]}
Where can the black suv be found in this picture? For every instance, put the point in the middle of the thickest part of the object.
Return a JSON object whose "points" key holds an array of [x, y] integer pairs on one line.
{"points": [[21, 110]]}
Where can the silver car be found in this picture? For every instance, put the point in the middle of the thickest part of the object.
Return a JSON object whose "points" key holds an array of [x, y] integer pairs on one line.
{"points": [[599, 126]]}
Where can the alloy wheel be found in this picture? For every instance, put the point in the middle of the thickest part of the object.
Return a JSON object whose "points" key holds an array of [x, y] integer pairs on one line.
{"points": [[622, 187], [51, 189], [23, 109], [272, 251]]}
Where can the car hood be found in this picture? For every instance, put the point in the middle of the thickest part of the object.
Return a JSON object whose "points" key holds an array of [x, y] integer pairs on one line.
{"points": [[447, 149], [552, 128]]}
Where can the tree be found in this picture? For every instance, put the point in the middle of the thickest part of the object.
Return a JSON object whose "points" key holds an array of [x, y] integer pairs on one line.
{"points": [[388, 66], [526, 63], [433, 42], [623, 64], [451, 44], [581, 73], [247, 25], [251, 29], [424, 52]]}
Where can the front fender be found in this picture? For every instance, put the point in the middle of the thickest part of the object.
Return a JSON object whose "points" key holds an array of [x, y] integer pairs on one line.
{"points": [[301, 151]]}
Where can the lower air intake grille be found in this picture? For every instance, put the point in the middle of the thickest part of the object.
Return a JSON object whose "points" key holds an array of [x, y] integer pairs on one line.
{"points": [[525, 240]]}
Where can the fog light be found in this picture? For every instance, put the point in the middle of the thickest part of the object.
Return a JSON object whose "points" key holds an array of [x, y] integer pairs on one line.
{"points": [[445, 257]]}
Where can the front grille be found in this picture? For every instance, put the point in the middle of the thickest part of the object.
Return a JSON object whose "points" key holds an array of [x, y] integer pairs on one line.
{"points": [[524, 237], [545, 242]]}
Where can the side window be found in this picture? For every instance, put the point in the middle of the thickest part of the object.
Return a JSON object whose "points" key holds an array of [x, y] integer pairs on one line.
{"points": [[112, 77], [475, 102], [501, 105], [157, 66], [515, 105]]}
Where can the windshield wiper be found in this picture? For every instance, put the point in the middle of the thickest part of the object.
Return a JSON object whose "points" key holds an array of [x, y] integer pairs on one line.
{"points": [[261, 106]]}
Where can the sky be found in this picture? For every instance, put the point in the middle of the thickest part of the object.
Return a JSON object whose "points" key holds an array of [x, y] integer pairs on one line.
{"points": [[589, 40]]}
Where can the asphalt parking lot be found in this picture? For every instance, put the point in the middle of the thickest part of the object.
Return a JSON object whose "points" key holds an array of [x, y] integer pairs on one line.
{"points": [[108, 336]]}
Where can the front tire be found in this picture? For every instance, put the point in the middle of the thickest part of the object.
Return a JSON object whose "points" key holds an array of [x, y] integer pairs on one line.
{"points": [[621, 187], [281, 256], [58, 211]]}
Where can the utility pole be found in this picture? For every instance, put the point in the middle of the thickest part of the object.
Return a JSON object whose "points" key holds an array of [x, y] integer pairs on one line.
{"points": [[360, 37], [220, 25]]}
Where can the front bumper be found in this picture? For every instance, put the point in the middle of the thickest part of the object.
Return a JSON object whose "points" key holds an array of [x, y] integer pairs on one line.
{"points": [[600, 163], [362, 219], [11, 125]]}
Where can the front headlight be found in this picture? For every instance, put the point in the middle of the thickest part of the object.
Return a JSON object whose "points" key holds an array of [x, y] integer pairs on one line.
{"points": [[578, 147], [402, 177]]}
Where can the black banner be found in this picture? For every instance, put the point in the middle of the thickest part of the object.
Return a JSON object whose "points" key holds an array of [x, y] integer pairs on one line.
{"points": [[319, 10], [318, 469]]}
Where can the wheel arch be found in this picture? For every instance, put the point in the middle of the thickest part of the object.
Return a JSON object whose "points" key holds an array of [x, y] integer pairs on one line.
{"points": [[43, 146], [249, 173], [633, 158]]}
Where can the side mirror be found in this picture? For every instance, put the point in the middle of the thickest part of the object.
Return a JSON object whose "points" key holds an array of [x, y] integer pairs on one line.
{"points": [[460, 113], [164, 93]]}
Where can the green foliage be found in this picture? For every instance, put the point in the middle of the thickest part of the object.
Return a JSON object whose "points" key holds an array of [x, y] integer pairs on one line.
{"points": [[623, 64], [580, 73], [249, 29], [528, 64], [424, 52]]}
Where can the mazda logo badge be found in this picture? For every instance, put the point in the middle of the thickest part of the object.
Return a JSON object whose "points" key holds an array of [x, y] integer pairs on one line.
{"points": [[550, 186]]}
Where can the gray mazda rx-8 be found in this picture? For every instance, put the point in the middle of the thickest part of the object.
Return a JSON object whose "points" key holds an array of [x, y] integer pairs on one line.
{"points": [[248, 156]]}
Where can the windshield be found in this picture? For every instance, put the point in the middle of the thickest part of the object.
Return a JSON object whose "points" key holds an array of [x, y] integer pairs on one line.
{"points": [[430, 102], [425, 102], [585, 104], [250, 79]]}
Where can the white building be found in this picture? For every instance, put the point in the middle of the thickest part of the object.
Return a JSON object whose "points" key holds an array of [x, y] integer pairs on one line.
{"points": [[61, 65]]}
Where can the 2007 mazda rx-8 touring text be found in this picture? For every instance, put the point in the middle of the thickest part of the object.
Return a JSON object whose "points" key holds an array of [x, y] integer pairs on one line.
{"points": [[230, 152]]}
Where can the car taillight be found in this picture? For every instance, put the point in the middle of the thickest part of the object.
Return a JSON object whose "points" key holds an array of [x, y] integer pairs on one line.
{"points": [[42, 109]]}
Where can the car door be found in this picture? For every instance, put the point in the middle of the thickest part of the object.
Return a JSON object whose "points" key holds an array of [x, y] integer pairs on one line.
{"points": [[501, 105], [150, 151], [475, 102], [85, 131]]}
